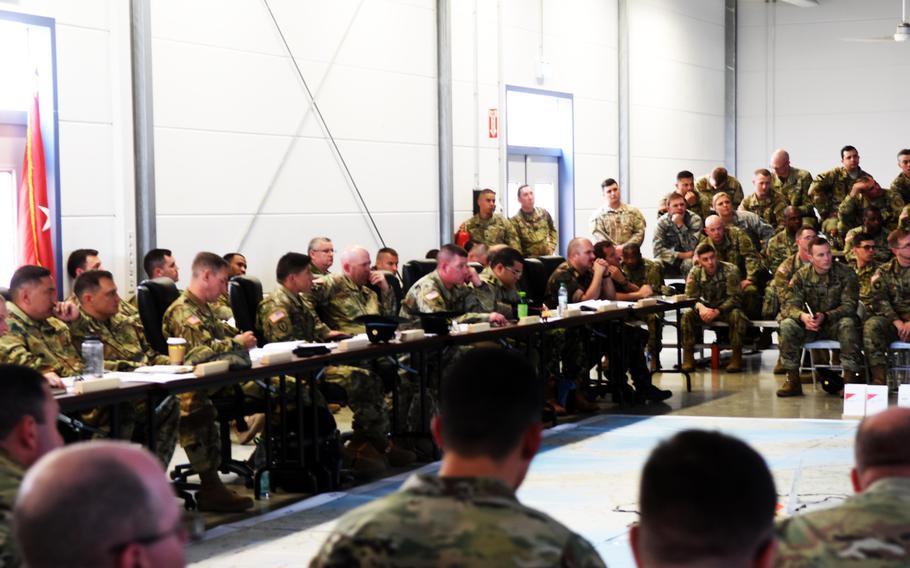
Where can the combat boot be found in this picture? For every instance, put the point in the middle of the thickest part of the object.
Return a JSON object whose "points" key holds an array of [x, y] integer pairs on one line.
{"points": [[851, 377], [362, 458], [214, 496], [688, 362], [779, 367], [792, 386], [654, 363], [736, 361], [877, 375], [396, 456], [582, 404]]}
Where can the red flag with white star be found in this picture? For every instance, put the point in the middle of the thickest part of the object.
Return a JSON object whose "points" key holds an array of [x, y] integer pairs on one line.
{"points": [[34, 215]]}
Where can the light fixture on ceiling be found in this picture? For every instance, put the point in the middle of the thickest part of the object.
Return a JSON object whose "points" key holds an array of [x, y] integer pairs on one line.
{"points": [[901, 33]]}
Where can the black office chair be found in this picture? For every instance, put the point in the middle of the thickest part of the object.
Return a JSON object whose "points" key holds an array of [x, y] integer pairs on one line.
{"points": [[154, 296], [4, 293], [534, 281], [245, 293], [550, 263], [414, 270]]}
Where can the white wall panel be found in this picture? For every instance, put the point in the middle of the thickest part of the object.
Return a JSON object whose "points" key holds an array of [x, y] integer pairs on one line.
{"points": [[597, 133], [83, 74], [674, 86], [590, 171], [86, 171], [233, 24]]}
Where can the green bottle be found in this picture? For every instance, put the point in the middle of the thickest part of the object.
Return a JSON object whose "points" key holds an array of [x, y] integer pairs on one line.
{"points": [[522, 305]]}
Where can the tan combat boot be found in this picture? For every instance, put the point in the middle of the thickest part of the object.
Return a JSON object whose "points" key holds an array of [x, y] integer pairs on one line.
{"points": [[877, 376], [792, 386], [214, 496], [688, 362], [362, 458], [779, 367], [736, 361]]}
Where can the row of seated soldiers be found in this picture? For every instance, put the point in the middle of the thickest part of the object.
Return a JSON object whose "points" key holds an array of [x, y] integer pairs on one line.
{"points": [[309, 303]]}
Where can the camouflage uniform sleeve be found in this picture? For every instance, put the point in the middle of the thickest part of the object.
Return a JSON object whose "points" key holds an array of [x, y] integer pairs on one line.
{"points": [[320, 329], [734, 292], [387, 302], [753, 262], [881, 296], [201, 345], [552, 236], [511, 237], [659, 246], [275, 322], [578, 553], [793, 304], [595, 227], [654, 277], [737, 192], [849, 297], [638, 228], [850, 207], [14, 351], [692, 288]]}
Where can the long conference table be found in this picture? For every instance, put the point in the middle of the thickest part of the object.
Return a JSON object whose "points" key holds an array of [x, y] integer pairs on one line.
{"points": [[530, 336]]}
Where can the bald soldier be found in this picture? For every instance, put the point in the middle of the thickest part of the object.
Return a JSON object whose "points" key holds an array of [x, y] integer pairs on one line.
{"points": [[192, 318], [615, 221], [720, 180], [488, 227], [765, 202], [821, 304], [793, 184], [733, 246], [533, 226]]}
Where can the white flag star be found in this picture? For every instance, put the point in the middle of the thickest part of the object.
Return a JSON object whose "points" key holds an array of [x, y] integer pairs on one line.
{"points": [[47, 217]]}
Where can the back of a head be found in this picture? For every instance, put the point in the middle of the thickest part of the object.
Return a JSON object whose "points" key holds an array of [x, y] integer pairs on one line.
{"points": [[26, 275], [881, 442], [706, 499], [90, 498], [291, 263], [154, 259], [21, 394], [489, 398], [506, 256], [90, 281], [448, 253], [208, 261]]}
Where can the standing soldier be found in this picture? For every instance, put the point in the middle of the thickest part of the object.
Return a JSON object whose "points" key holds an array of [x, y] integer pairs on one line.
{"points": [[534, 226], [901, 184], [716, 286], [783, 244], [617, 222], [793, 183], [676, 235], [489, 227], [765, 202], [821, 304], [891, 297], [832, 186], [719, 180]]}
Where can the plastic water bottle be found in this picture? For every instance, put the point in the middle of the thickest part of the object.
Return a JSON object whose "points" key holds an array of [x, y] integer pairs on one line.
{"points": [[264, 485], [522, 305], [93, 356], [563, 300]]}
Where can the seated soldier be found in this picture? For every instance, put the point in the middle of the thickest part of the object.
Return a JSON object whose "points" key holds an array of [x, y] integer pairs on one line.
{"points": [[719, 180], [676, 235], [865, 266], [890, 305], [387, 261], [751, 224], [783, 244], [866, 193], [716, 286], [284, 316], [830, 188], [207, 338], [236, 267], [468, 515], [733, 246], [501, 277], [793, 184], [81, 260], [820, 304], [768, 204], [125, 349], [872, 226]]}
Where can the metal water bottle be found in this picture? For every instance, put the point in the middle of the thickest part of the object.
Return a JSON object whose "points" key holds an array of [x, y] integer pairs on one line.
{"points": [[563, 300]]}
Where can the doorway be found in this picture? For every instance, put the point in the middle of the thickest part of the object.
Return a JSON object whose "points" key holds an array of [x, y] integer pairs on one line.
{"points": [[541, 172]]}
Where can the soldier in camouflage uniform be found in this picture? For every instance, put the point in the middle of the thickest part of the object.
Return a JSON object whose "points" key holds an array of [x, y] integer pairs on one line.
{"points": [[81, 260], [865, 266], [643, 274], [901, 184], [343, 297], [617, 222], [749, 223], [866, 193], [676, 235], [891, 306], [870, 527], [236, 267], [716, 285], [322, 255], [28, 408], [872, 226], [125, 349], [783, 244], [793, 183], [488, 227], [697, 203], [465, 516], [765, 202], [191, 317], [720, 180], [831, 187], [733, 246], [820, 304], [534, 226], [500, 294]]}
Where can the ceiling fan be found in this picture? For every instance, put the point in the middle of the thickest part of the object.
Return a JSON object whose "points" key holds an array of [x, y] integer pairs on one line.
{"points": [[901, 34]]}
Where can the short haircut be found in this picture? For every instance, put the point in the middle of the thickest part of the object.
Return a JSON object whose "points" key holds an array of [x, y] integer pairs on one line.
{"points": [[315, 242], [485, 191], [26, 275], [107, 506], [884, 444], [705, 495], [77, 260], [817, 242], [763, 172], [291, 263], [895, 236], [872, 209], [847, 148], [387, 250], [860, 237], [230, 256], [208, 261], [705, 248], [450, 251], [90, 281], [674, 196], [506, 257], [433, 253], [684, 174], [904, 152], [21, 394], [573, 245], [633, 248], [600, 248], [154, 259], [718, 196], [489, 397], [805, 228], [520, 187], [608, 182], [720, 175]]}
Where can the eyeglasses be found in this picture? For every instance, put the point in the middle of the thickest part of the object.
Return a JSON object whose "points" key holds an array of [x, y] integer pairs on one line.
{"points": [[326, 251], [866, 247], [190, 527], [516, 273]]}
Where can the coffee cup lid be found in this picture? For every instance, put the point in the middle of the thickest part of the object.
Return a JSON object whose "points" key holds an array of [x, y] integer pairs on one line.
{"points": [[176, 341]]}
